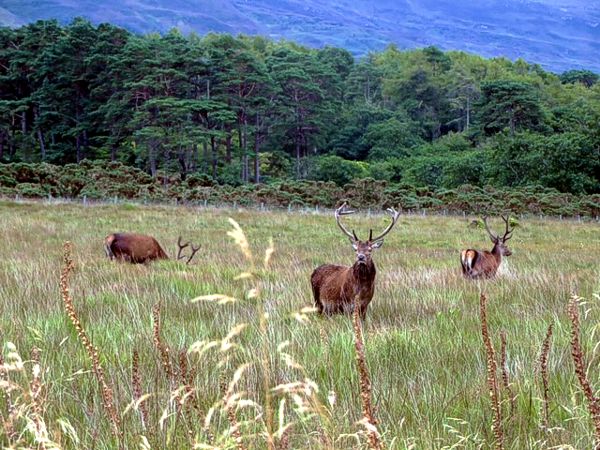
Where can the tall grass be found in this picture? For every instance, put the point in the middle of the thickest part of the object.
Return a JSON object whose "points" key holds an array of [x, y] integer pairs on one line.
{"points": [[250, 364]]}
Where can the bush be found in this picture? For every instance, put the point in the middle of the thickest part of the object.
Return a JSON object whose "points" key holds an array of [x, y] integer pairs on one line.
{"points": [[336, 169], [107, 180]]}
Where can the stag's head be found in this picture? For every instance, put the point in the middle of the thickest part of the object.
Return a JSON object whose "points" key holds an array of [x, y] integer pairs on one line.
{"points": [[364, 249], [500, 242]]}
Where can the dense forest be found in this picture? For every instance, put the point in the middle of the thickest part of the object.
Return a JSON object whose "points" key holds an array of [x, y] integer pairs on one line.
{"points": [[238, 110]]}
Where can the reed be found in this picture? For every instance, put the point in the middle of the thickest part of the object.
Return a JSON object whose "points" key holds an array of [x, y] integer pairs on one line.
{"points": [[543, 371], [593, 403], [492, 380], [93, 353], [369, 421]]}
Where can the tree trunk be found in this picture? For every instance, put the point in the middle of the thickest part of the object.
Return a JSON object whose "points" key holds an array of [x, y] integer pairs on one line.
{"points": [[205, 157], [468, 112], [78, 147], [213, 146], [182, 164], [257, 152], [113, 152], [228, 147], [244, 152], [152, 158], [86, 141], [297, 157], [42, 144]]}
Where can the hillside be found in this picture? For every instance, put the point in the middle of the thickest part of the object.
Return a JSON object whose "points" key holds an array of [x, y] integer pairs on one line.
{"points": [[557, 34]]}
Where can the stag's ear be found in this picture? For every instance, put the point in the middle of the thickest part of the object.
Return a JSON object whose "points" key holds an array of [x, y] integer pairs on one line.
{"points": [[354, 244], [376, 244]]}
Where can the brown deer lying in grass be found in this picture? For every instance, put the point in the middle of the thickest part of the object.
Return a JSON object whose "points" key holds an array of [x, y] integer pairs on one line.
{"points": [[336, 288], [485, 264], [140, 248]]}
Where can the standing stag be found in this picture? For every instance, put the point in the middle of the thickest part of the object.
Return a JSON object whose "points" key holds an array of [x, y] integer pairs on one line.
{"points": [[140, 248], [485, 264], [336, 288]]}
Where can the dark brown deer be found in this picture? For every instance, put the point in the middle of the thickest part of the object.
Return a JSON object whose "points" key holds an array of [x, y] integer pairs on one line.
{"points": [[140, 248], [336, 288], [485, 264]]}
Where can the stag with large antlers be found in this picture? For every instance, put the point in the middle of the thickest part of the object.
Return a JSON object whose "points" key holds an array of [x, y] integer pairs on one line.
{"points": [[485, 264], [140, 248], [337, 288]]}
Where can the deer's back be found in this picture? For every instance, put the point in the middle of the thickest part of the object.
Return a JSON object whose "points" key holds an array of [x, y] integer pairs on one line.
{"points": [[133, 247]]}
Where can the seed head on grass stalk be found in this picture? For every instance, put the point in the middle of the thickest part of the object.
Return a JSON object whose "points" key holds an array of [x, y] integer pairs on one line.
{"points": [[162, 348], [593, 402], [543, 370], [136, 381], [303, 394], [491, 378], [504, 366], [368, 420], [106, 389]]}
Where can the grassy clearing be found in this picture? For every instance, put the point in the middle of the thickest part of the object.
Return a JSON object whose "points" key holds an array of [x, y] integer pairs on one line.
{"points": [[423, 334]]}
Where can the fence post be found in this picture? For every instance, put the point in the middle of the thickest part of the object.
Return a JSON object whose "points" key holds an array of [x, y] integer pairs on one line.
{"points": [[289, 208]]}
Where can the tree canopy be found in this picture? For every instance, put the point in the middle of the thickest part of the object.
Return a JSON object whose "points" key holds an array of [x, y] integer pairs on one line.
{"points": [[250, 110]]}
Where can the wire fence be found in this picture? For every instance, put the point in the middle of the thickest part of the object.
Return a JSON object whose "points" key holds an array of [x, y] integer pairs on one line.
{"points": [[263, 207]]}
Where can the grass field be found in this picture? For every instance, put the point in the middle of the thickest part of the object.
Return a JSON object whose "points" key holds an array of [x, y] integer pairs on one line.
{"points": [[423, 332]]}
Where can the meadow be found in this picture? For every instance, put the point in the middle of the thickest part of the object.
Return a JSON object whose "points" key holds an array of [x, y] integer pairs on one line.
{"points": [[254, 367]]}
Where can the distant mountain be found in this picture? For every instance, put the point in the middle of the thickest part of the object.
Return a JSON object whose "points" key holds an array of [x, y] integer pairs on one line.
{"points": [[558, 34]]}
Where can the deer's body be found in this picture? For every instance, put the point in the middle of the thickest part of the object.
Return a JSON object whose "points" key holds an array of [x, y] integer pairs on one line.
{"points": [[134, 248], [337, 289], [480, 264], [140, 248], [483, 263]]}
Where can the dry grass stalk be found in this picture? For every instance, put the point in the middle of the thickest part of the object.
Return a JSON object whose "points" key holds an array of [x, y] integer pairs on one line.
{"points": [[163, 350], [284, 440], [107, 391], [228, 401], [35, 389], [187, 376], [492, 370], [369, 419], [593, 403], [543, 367], [8, 422], [136, 381], [504, 366]]}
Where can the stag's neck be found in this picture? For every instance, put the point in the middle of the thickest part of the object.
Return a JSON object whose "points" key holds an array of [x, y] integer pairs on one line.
{"points": [[364, 273], [496, 253]]}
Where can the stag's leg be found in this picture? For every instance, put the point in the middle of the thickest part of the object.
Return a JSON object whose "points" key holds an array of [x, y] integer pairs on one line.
{"points": [[317, 296], [363, 312]]}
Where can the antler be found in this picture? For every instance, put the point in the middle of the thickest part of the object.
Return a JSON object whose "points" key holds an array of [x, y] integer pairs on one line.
{"points": [[194, 250], [507, 233], [395, 215], [182, 247], [341, 211], [492, 235]]}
